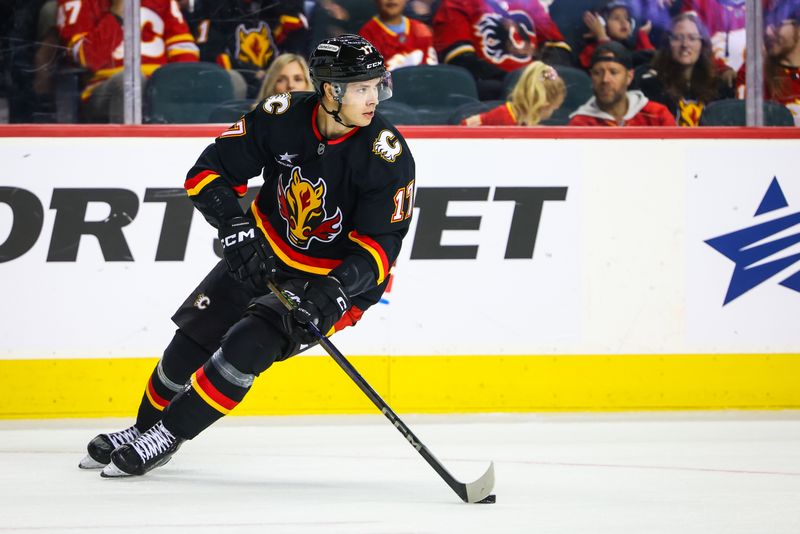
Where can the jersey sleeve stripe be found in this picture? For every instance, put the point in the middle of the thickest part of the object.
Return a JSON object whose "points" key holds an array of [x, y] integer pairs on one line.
{"points": [[287, 255], [196, 184], [179, 49], [350, 317], [375, 250], [187, 37], [213, 397], [457, 51]]}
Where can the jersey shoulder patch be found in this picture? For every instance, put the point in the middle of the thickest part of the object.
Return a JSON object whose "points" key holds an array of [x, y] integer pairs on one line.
{"points": [[387, 145], [277, 104]]}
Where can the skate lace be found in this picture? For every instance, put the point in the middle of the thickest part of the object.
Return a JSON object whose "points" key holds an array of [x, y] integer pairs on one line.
{"points": [[153, 442], [124, 436]]}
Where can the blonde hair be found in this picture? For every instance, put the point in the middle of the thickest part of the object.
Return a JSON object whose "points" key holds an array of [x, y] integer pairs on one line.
{"points": [[274, 71], [537, 87]]}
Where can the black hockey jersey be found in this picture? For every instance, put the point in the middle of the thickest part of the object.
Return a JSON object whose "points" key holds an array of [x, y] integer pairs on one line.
{"points": [[323, 202]]}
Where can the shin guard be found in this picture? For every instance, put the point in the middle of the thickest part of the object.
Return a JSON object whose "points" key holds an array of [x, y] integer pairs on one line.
{"points": [[181, 358], [215, 389]]}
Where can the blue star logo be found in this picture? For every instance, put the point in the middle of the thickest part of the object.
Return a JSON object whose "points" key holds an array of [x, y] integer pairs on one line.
{"points": [[749, 247]]}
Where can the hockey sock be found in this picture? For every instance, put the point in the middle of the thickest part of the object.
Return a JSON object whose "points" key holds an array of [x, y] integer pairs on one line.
{"points": [[216, 388], [181, 357]]}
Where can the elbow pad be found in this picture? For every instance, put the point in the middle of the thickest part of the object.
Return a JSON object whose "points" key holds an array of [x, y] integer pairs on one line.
{"points": [[355, 275], [218, 204]]}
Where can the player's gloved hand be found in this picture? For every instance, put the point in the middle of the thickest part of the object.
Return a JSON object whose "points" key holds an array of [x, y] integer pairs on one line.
{"points": [[324, 302], [249, 257]]}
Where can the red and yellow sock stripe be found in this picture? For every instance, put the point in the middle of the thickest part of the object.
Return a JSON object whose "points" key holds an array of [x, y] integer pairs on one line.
{"points": [[158, 402], [209, 393]]}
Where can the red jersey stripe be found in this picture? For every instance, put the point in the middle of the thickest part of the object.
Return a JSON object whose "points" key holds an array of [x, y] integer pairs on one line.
{"points": [[288, 255], [375, 250], [196, 184]]}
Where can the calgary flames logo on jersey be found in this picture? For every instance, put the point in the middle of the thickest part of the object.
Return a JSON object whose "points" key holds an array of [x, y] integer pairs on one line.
{"points": [[689, 112], [387, 146], [506, 35], [254, 46], [302, 206]]}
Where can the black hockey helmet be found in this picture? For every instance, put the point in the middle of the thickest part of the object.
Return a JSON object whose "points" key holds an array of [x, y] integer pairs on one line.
{"points": [[348, 58]]}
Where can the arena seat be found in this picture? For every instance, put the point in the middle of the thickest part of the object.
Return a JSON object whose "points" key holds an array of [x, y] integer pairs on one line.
{"points": [[230, 111], [579, 86], [568, 16], [434, 91], [399, 113], [186, 93], [732, 112], [472, 108]]}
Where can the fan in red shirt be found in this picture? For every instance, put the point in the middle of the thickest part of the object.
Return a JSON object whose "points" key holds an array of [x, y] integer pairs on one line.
{"points": [[782, 64], [402, 41], [612, 103], [538, 93], [491, 38], [92, 31], [614, 22]]}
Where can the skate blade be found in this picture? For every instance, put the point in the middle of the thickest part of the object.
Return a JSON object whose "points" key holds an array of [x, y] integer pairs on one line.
{"points": [[112, 471], [90, 463]]}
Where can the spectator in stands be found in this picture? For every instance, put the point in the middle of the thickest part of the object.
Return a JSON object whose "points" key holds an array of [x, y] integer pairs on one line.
{"points": [[289, 72], [238, 36], [683, 75], [537, 94], [29, 50], [613, 104], [491, 38], [725, 21], [616, 22], [782, 64], [92, 31], [403, 42]]}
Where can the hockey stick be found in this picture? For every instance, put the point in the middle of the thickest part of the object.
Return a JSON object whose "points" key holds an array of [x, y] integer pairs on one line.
{"points": [[472, 492]]}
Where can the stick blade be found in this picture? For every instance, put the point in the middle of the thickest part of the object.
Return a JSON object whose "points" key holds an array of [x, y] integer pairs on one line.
{"points": [[481, 488]]}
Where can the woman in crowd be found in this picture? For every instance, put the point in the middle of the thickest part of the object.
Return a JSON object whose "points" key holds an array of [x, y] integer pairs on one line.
{"points": [[683, 75], [538, 93], [288, 72]]}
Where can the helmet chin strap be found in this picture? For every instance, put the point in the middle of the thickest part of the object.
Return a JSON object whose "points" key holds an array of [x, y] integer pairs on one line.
{"points": [[335, 114]]}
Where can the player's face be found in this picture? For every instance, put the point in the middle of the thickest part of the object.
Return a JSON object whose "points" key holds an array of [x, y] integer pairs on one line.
{"points": [[291, 78], [685, 43], [782, 38], [610, 81], [359, 102], [618, 25], [390, 9]]}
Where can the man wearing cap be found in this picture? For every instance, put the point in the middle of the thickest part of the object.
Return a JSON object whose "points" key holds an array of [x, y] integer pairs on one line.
{"points": [[611, 71]]}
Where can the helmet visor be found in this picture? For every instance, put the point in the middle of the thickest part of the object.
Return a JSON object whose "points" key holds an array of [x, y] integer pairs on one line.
{"points": [[366, 91]]}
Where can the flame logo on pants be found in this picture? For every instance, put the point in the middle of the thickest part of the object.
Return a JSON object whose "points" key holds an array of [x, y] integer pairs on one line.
{"points": [[302, 206]]}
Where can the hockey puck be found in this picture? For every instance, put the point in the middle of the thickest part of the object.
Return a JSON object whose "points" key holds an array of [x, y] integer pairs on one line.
{"points": [[489, 499]]}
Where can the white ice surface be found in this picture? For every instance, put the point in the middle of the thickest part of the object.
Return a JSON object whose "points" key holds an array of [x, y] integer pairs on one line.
{"points": [[676, 473]]}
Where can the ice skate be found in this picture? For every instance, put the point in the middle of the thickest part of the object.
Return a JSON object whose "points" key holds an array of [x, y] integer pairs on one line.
{"points": [[152, 449], [100, 448]]}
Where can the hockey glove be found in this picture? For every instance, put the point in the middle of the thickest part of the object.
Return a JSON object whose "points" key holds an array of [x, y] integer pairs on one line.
{"points": [[324, 302], [247, 253]]}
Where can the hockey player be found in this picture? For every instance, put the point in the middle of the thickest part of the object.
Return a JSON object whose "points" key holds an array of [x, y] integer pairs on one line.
{"points": [[326, 226]]}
